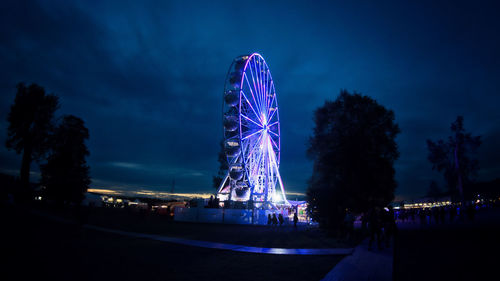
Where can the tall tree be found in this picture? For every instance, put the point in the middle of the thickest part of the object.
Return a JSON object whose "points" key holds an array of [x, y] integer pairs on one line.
{"points": [[455, 158], [434, 191], [353, 148], [66, 173], [30, 123]]}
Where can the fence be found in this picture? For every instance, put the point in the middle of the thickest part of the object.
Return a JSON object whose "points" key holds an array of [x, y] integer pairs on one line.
{"points": [[229, 216]]}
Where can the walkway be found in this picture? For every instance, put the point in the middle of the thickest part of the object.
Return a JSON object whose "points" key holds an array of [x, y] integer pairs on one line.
{"points": [[364, 265], [207, 244], [224, 246]]}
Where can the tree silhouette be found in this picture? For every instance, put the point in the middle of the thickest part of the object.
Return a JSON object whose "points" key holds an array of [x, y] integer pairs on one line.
{"points": [[9, 185], [66, 173], [434, 192], [353, 148], [455, 158], [30, 123]]}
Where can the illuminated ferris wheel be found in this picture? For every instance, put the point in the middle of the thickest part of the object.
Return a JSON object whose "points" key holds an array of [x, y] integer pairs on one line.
{"points": [[251, 134]]}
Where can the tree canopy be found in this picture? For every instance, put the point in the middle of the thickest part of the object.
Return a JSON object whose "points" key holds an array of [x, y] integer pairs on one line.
{"points": [[353, 148], [30, 124], [434, 191], [455, 158], [66, 173]]}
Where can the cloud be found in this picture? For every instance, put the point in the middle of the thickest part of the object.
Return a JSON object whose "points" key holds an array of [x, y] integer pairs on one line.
{"points": [[148, 79], [295, 194], [126, 165]]}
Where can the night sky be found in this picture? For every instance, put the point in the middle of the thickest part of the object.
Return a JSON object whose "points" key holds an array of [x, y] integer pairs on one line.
{"points": [[148, 78]]}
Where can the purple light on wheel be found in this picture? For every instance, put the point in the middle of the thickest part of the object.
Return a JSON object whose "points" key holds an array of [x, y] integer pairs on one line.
{"points": [[258, 133]]}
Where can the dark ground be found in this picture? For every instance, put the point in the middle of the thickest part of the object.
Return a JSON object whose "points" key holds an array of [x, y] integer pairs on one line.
{"points": [[285, 236], [460, 251], [48, 250], [40, 248]]}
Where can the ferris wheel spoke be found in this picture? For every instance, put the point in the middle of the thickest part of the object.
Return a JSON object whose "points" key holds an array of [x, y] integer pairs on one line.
{"points": [[252, 134], [268, 89], [271, 104], [254, 85], [246, 117], [233, 160], [233, 137], [261, 85], [274, 133], [274, 164], [257, 166], [265, 88], [270, 152], [274, 143], [272, 114], [253, 96], [258, 78], [250, 104], [272, 124], [255, 145], [272, 99]]}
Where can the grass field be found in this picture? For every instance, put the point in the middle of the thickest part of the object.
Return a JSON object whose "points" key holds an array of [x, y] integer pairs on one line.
{"points": [[249, 235], [461, 251], [48, 250]]}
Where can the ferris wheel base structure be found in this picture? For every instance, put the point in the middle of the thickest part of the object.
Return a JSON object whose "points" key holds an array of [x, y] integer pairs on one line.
{"points": [[252, 142], [231, 196]]}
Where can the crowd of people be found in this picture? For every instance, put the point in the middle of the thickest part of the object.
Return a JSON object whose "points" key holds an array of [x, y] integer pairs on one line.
{"points": [[441, 215], [380, 223], [273, 220]]}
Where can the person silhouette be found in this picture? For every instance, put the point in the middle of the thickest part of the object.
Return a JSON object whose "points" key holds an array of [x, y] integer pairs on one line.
{"points": [[390, 227], [453, 213], [375, 227], [275, 220], [421, 214], [269, 219], [442, 214], [348, 224]]}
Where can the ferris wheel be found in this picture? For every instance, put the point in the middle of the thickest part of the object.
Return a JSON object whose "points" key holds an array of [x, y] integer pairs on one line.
{"points": [[251, 134]]}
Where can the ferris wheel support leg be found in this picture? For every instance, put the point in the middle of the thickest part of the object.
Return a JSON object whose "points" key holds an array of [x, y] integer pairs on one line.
{"points": [[223, 183], [279, 178], [282, 189], [281, 185]]}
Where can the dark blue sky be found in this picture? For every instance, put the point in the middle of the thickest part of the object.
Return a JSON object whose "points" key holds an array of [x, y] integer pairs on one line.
{"points": [[148, 78]]}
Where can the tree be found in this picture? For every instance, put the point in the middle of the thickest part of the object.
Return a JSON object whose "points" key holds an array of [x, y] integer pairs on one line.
{"points": [[353, 148], [30, 124], [455, 158], [223, 166], [66, 173], [434, 191]]}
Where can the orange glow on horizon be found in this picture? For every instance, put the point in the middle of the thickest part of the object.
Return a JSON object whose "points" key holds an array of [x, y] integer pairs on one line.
{"points": [[148, 193]]}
